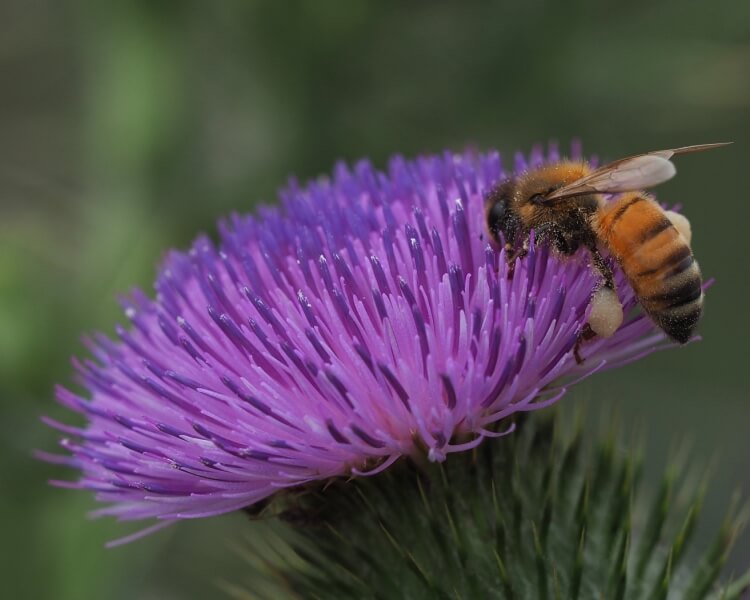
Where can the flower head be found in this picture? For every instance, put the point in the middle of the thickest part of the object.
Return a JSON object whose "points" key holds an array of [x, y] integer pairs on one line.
{"points": [[365, 319]]}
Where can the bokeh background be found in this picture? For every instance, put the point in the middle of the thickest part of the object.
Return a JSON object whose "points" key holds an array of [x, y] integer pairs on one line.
{"points": [[128, 127]]}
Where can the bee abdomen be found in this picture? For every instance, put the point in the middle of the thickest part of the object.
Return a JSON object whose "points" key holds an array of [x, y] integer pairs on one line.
{"points": [[673, 296], [659, 264]]}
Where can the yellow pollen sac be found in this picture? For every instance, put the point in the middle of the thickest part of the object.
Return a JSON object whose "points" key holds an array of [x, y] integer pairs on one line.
{"points": [[681, 224], [606, 312]]}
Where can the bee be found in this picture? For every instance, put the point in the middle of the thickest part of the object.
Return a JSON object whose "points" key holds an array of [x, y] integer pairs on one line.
{"points": [[563, 204]]}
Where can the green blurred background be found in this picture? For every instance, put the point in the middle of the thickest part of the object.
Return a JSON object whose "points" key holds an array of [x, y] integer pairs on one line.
{"points": [[128, 127]]}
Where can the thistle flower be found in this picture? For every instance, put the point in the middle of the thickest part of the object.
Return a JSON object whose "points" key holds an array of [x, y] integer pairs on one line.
{"points": [[365, 319]]}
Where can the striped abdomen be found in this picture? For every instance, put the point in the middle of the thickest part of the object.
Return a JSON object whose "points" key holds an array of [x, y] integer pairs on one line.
{"points": [[657, 261]]}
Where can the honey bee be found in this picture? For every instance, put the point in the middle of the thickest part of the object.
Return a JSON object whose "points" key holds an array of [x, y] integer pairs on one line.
{"points": [[563, 204]]}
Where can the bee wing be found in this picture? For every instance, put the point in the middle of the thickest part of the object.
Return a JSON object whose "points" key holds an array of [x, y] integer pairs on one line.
{"points": [[627, 174], [633, 173], [687, 149]]}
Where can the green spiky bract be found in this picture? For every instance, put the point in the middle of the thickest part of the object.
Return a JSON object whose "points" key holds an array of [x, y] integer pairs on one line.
{"points": [[536, 514]]}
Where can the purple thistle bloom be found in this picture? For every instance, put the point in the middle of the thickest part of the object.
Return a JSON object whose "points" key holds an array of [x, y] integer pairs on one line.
{"points": [[364, 320]]}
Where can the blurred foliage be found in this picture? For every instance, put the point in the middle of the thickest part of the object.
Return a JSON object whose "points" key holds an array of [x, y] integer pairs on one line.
{"points": [[542, 514], [127, 127]]}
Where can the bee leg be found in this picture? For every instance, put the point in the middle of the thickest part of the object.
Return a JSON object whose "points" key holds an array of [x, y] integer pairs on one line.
{"points": [[608, 281], [511, 254], [583, 336], [509, 260], [608, 278], [606, 313]]}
